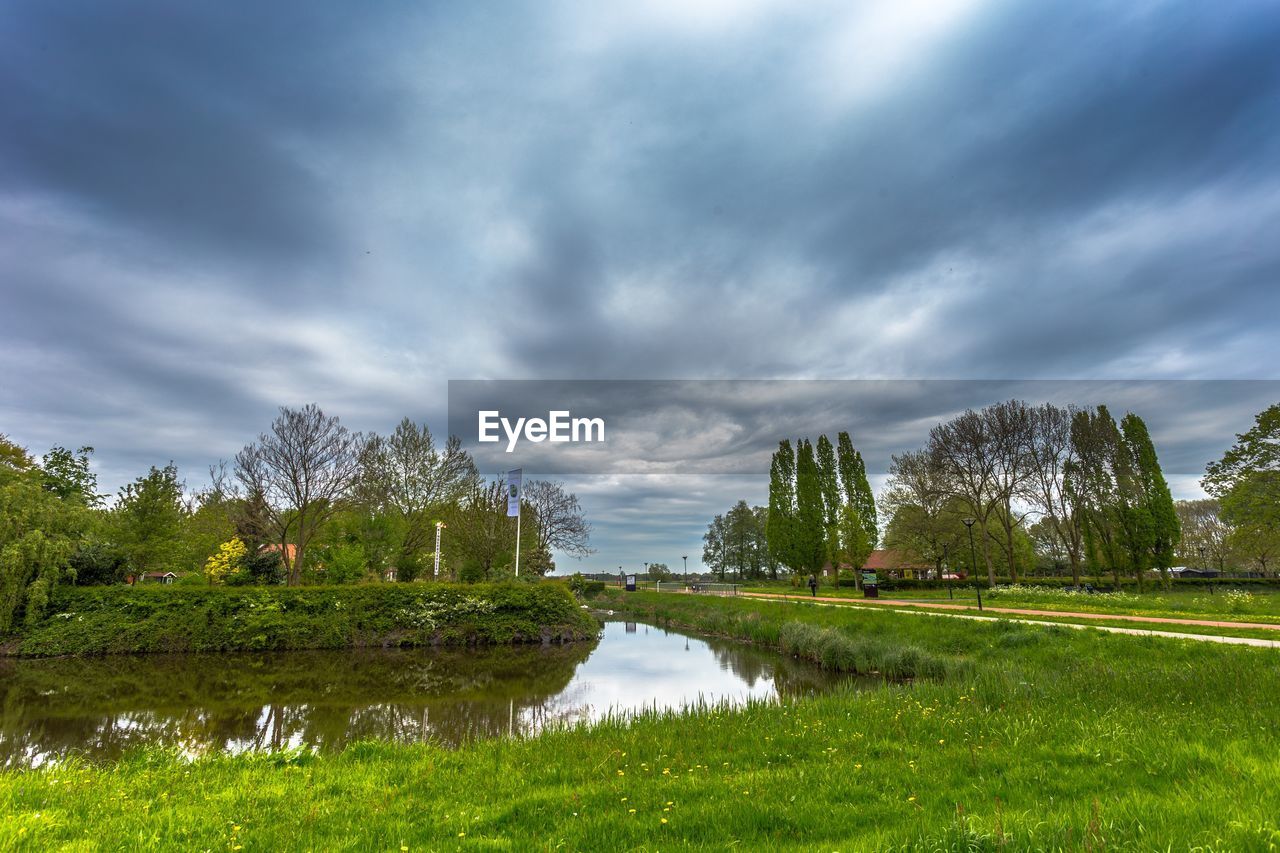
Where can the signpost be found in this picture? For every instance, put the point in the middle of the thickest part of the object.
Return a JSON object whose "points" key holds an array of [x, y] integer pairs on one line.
{"points": [[870, 586], [513, 506]]}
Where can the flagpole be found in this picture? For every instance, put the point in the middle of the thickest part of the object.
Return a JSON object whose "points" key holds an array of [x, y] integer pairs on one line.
{"points": [[517, 542]]}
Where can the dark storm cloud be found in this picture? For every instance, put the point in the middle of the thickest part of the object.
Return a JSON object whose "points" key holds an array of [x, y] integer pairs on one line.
{"points": [[209, 210]]}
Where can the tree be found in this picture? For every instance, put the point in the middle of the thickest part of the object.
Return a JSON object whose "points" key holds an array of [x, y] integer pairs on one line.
{"points": [[851, 545], [148, 518], [659, 572], [556, 518], [967, 457], [39, 533], [302, 470], [228, 560], [1247, 481], [481, 540], [857, 489], [405, 476], [1051, 456], [918, 502], [68, 476], [1250, 507], [1255, 451], [780, 525], [1092, 488], [1206, 536], [768, 563], [808, 539], [715, 551], [737, 541], [829, 489], [1154, 496], [1010, 427]]}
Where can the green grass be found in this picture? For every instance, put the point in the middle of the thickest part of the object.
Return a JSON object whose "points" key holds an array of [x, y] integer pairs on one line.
{"points": [[1225, 603], [1032, 738]]}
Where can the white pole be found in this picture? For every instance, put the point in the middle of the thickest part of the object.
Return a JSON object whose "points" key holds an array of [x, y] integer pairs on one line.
{"points": [[435, 573], [517, 542]]}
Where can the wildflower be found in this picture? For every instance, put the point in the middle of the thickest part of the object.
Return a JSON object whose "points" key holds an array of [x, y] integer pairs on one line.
{"points": [[664, 820]]}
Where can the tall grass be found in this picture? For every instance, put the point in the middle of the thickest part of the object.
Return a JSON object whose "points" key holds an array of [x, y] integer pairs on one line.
{"points": [[1045, 739]]}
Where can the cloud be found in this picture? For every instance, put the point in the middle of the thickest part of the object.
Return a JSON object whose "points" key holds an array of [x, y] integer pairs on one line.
{"points": [[208, 211]]}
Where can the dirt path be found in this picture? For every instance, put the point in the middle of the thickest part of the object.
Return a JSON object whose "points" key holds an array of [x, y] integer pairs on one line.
{"points": [[1017, 611]]}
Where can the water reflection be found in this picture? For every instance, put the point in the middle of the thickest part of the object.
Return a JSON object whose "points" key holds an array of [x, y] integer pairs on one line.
{"points": [[101, 707]]}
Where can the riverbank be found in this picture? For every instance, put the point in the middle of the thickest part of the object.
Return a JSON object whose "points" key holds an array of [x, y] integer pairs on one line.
{"points": [[1044, 738], [115, 620]]}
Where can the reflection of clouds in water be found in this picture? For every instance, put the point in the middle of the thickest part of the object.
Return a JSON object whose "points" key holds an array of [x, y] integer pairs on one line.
{"points": [[328, 700]]}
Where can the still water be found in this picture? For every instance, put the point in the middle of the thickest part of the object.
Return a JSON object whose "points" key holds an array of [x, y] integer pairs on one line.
{"points": [[100, 707]]}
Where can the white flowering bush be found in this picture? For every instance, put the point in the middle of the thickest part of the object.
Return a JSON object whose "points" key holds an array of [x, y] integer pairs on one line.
{"points": [[1049, 594], [430, 614]]}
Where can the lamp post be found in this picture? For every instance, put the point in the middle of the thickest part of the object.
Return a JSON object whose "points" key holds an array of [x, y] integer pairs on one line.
{"points": [[946, 557], [969, 521], [435, 571], [686, 569]]}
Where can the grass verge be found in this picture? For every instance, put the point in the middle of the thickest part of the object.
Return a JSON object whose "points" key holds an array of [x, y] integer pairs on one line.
{"points": [[1047, 738]]}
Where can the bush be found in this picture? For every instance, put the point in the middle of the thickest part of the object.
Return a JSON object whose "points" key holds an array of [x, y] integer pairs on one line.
{"points": [[103, 620]]}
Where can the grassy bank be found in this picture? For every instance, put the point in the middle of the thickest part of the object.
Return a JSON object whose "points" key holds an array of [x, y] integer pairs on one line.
{"points": [[1046, 739], [108, 620], [1224, 602]]}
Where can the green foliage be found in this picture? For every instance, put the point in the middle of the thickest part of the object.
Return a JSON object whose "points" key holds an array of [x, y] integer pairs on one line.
{"points": [[1155, 498], [1252, 508], [780, 522], [809, 535], [1007, 751], [147, 520], [39, 533], [228, 561], [98, 563], [67, 475], [109, 620], [1255, 451], [857, 488]]}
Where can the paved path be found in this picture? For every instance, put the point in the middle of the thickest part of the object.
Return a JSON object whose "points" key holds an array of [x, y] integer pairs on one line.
{"points": [[919, 606]]}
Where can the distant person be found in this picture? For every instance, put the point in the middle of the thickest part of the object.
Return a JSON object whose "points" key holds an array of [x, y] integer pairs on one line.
{"points": [[813, 586]]}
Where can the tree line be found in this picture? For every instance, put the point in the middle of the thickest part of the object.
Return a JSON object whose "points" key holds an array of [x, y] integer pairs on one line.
{"points": [[1007, 489], [308, 501], [821, 513]]}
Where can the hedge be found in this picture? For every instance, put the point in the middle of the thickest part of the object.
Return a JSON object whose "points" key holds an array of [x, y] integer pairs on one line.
{"points": [[107, 620]]}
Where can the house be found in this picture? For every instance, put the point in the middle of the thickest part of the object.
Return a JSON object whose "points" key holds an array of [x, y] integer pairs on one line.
{"points": [[290, 551], [159, 577], [897, 564]]}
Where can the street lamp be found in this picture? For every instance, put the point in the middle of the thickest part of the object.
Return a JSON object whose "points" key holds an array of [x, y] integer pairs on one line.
{"points": [[973, 554], [686, 569], [435, 572], [1203, 565]]}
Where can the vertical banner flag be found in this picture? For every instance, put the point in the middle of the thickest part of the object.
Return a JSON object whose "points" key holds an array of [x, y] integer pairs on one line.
{"points": [[513, 492]]}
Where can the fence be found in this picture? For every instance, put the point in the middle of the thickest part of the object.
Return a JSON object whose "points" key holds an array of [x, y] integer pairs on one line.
{"points": [[703, 588]]}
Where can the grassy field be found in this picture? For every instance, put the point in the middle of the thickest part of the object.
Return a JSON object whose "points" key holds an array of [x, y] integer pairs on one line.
{"points": [[1021, 737], [1224, 603]]}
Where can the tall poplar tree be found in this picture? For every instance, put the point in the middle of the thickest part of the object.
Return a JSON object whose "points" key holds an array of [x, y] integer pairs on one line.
{"points": [[857, 489], [808, 538], [829, 487], [1165, 529], [782, 503]]}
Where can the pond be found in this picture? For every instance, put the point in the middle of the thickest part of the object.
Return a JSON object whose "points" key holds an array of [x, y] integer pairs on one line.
{"points": [[100, 707]]}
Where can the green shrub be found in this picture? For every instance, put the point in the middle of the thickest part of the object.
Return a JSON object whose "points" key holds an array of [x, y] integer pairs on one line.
{"points": [[103, 620]]}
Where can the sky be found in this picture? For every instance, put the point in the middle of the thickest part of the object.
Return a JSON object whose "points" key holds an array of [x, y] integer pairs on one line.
{"points": [[210, 210]]}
